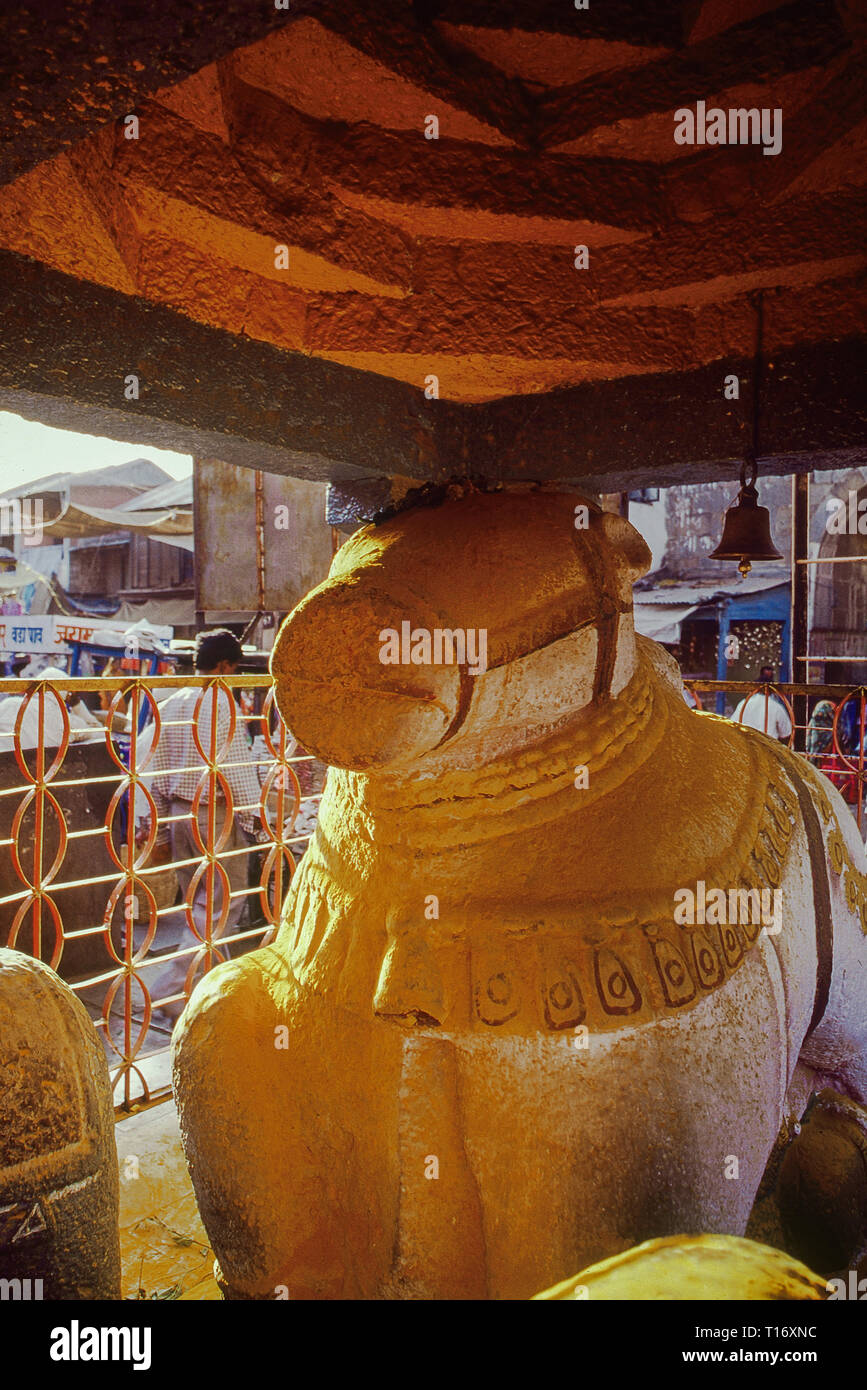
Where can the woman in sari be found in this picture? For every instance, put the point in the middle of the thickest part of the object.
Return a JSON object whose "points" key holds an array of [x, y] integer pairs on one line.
{"points": [[821, 750]]}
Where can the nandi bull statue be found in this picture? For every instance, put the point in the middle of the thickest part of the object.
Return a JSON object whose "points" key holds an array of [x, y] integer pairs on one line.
{"points": [[493, 1043]]}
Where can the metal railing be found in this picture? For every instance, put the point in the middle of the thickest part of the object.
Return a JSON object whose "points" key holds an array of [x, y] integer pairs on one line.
{"points": [[834, 740], [83, 885], [82, 816]]}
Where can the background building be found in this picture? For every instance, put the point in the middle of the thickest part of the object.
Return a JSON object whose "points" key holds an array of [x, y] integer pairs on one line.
{"points": [[694, 604]]}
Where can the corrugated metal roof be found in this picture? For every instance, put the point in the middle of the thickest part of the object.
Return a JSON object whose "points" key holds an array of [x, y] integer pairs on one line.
{"points": [[677, 594]]}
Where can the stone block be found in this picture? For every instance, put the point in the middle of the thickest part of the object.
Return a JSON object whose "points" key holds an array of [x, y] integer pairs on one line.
{"points": [[58, 1166]]}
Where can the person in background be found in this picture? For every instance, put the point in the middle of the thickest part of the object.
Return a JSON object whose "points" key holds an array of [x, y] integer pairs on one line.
{"points": [[767, 713], [821, 751], [139, 804], [10, 606], [174, 775], [820, 731], [112, 668], [82, 724], [16, 668]]}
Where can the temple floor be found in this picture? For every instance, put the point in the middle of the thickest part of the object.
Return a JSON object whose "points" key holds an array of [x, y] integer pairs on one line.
{"points": [[163, 1245]]}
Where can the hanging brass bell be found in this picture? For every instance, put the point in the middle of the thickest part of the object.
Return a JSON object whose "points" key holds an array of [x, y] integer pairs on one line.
{"points": [[747, 531]]}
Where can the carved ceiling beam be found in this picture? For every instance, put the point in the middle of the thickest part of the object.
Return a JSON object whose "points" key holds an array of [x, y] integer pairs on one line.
{"points": [[72, 346], [777, 245], [409, 169], [623, 339], [677, 428], [804, 34], [214, 394], [621, 21], [401, 41], [69, 66], [731, 178], [188, 166]]}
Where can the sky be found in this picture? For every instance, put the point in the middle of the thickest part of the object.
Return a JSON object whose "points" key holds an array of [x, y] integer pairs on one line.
{"points": [[29, 450]]}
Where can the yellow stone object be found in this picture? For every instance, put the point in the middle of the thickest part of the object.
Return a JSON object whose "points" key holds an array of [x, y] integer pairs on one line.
{"points": [[687, 1268], [484, 1049]]}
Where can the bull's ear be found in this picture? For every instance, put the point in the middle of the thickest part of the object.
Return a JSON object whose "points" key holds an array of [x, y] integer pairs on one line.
{"points": [[626, 549]]}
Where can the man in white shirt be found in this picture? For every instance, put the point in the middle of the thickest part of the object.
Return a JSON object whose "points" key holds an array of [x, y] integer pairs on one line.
{"points": [[82, 724], [175, 773], [765, 712]]}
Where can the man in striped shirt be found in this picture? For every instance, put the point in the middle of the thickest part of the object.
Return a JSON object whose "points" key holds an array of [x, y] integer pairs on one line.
{"points": [[177, 770]]}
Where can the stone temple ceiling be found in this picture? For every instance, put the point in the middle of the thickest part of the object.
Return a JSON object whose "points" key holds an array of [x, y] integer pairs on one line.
{"points": [[409, 258]]}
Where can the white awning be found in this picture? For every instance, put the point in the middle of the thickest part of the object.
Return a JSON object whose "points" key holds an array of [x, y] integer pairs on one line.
{"points": [[662, 621], [78, 522]]}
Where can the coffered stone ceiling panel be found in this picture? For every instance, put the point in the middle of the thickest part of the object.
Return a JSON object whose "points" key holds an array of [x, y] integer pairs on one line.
{"points": [[282, 190]]}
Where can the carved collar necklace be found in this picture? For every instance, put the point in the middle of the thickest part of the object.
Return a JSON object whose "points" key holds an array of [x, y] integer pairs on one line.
{"points": [[611, 742]]}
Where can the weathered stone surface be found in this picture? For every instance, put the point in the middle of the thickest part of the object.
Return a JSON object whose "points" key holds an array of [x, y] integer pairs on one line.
{"points": [[58, 1165], [606, 433], [281, 189], [68, 67], [206, 393], [806, 33], [484, 1050], [200, 389]]}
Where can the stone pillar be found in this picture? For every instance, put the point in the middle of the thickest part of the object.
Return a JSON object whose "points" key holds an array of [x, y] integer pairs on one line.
{"points": [[58, 1164]]}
